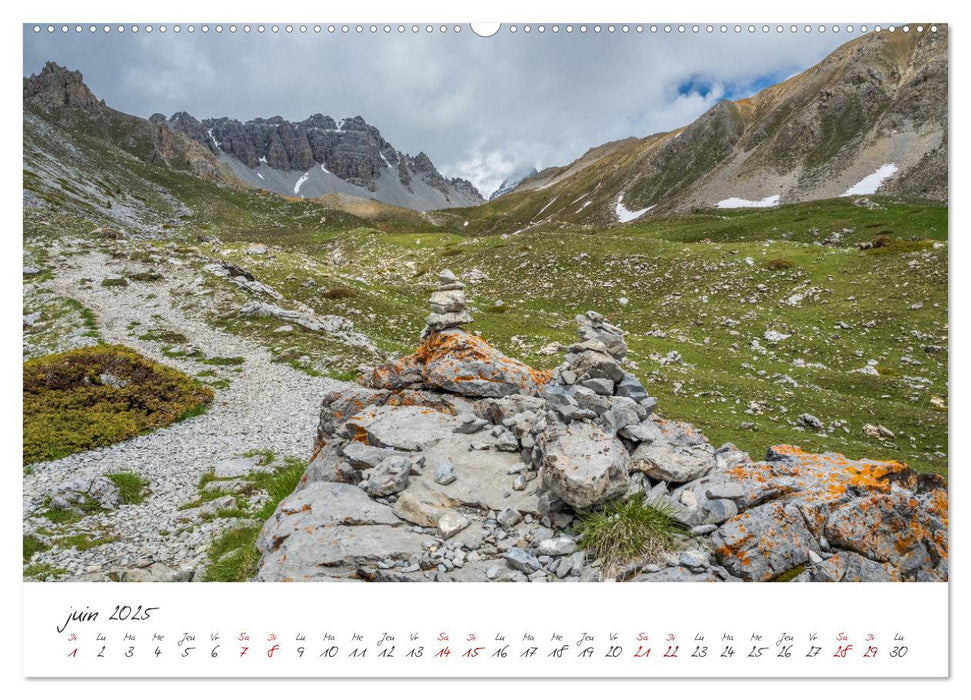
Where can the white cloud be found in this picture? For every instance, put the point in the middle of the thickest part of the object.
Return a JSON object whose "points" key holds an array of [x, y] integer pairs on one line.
{"points": [[480, 109]]}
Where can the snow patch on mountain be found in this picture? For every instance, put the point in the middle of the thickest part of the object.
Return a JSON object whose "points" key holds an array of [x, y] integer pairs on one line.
{"points": [[624, 214], [871, 183], [739, 203], [303, 179]]}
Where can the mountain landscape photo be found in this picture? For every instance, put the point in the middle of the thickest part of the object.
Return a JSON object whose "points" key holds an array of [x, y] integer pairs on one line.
{"points": [[643, 310]]}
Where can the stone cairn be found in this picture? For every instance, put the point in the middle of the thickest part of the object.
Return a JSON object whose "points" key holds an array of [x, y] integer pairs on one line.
{"points": [[448, 305], [458, 463]]}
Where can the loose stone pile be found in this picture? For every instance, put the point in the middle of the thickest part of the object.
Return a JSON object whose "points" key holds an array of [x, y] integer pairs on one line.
{"points": [[448, 305], [457, 463]]}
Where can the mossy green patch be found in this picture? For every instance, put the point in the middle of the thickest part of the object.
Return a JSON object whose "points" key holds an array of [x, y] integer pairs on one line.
{"points": [[33, 545], [95, 396]]}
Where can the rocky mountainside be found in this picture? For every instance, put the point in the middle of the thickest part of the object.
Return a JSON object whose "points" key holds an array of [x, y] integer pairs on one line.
{"points": [[871, 117], [318, 155], [59, 96], [458, 463]]}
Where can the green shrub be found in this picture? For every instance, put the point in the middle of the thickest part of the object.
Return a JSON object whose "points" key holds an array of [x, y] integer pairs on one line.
{"points": [[339, 293], [86, 398], [114, 282]]}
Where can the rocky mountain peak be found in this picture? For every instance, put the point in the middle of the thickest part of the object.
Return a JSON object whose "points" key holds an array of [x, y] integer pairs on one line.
{"points": [[56, 87], [320, 155]]}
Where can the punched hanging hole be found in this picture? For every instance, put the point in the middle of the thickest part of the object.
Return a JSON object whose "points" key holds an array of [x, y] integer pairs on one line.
{"points": [[485, 29]]}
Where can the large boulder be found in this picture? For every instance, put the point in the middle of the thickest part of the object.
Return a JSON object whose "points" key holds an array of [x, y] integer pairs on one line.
{"points": [[764, 542], [461, 363], [675, 452], [796, 503], [326, 530], [583, 464]]}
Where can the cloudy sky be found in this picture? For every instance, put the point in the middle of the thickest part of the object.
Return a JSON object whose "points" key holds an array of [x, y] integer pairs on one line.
{"points": [[482, 108]]}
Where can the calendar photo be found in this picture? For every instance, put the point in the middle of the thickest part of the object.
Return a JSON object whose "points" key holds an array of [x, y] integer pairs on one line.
{"points": [[437, 303]]}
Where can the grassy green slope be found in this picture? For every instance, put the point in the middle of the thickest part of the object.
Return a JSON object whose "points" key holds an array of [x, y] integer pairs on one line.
{"points": [[686, 281]]}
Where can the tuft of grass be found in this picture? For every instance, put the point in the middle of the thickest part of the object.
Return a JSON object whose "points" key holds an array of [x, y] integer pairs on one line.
{"points": [[146, 276], [306, 369], [342, 375], [133, 486], [165, 336], [628, 531], [787, 576], [883, 245], [234, 556], [94, 396]]}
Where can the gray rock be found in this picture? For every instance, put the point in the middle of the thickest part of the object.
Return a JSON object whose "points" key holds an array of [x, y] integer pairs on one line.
{"points": [[623, 412], [725, 489], [850, 566], [808, 420], [590, 400], [509, 517], [648, 404], [597, 365], [451, 523], [678, 574], [720, 510], [604, 387], [764, 542], [584, 465], [557, 547], [470, 424], [645, 431], [104, 491], [236, 466], [564, 567], [694, 558], [361, 456], [631, 387], [406, 428], [209, 509], [390, 476], [521, 560], [666, 461], [445, 473]]}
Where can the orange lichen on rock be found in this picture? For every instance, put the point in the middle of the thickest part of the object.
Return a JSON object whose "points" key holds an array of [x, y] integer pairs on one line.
{"points": [[460, 363], [890, 518]]}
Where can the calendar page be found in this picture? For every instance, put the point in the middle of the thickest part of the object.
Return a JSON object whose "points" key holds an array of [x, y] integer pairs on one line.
{"points": [[433, 349]]}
